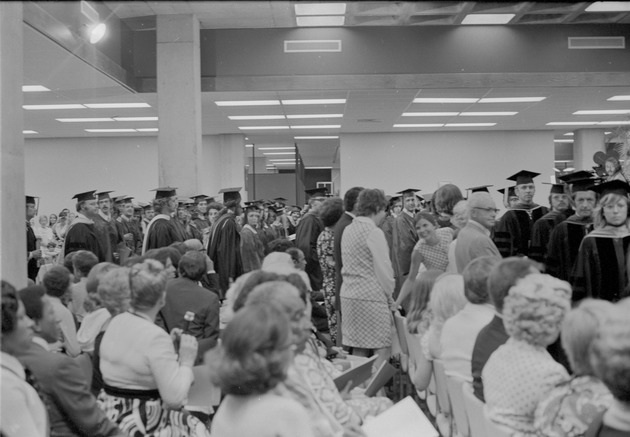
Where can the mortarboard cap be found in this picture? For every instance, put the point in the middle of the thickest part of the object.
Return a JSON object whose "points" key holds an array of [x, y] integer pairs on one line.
{"points": [[103, 195], [612, 187], [31, 199], [280, 199], [479, 189], [569, 178], [556, 188], [317, 192], [523, 177], [121, 199], [82, 197], [580, 180], [164, 192], [199, 197], [231, 194], [407, 191]]}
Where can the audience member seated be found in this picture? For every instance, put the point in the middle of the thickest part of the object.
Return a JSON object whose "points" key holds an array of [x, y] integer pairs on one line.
{"points": [[253, 357], [146, 379], [183, 295], [521, 372], [610, 359], [72, 409], [502, 277], [168, 256], [23, 413], [460, 331], [570, 407], [57, 285], [82, 262]]}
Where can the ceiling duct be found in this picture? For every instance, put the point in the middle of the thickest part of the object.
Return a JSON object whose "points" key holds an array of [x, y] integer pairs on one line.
{"points": [[597, 42], [312, 46]]}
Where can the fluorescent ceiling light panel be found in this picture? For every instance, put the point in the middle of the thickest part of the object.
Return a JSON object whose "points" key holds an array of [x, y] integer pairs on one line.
{"points": [[147, 129], [248, 103], [314, 102], [487, 114], [608, 7], [420, 125], [300, 116], [318, 126], [318, 168], [331, 20], [116, 105], [614, 122], [569, 134], [511, 99], [618, 98], [317, 137], [320, 9], [67, 106], [34, 88], [109, 130], [571, 123], [262, 127], [29, 132], [469, 124], [249, 145], [282, 160], [136, 118], [83, 120], [276, 148], [562, 141], [444, 100], [256, 117], [603, 112], [430, 114], [278, 153], [488, 18]]}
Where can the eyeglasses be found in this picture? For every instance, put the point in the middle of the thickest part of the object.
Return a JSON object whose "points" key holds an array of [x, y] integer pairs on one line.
{"points": [[495, 210]]}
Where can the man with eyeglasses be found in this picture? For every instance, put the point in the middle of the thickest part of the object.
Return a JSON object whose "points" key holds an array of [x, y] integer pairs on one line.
{"points": [[512, 233], [542, 228], [474, 239]]}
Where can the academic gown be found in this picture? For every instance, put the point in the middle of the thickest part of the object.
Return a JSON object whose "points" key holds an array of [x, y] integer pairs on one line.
{"points": [[108, 236], [83, 236], [31, 245], [541, 232], [224, 249], [564, 244], [306, 235], [252, 249], [161, 233], [129, 227], [512, 233], [404, 239], [600, 268], [387, 226]]}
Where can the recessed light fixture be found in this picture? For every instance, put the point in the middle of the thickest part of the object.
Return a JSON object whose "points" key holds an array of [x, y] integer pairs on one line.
{"points": [[249, 145], [562, 141], [314, 102], [248, 103], [278, 153], [262, 127], [34, 88], [317, 137], [444, 100], [429, 114], [256, 117], [147, 129], [97, 32], [488, 18], [603, 112], [320, 9], [572, 123], [420, 125], [605, 123], [136, 118], [25, 132], [608, 7], [322, 21], [116, 105], [83, 120], [318, 126], [299, 116], [511, 99], [484, 114], [109, 130], [607, 133], [469, 124], [276, 148], [618, 98], [66, 106]]}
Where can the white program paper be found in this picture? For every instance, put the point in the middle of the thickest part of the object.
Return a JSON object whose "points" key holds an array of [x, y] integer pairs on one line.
{"points": [[404, 419]]}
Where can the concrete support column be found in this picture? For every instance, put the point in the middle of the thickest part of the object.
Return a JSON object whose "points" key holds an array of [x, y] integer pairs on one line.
{"points": [[12, 207], [179, 102], [587, 142]]}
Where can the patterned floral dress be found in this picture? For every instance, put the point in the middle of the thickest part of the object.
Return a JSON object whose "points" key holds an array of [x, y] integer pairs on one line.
{"points": [[325, 253]]}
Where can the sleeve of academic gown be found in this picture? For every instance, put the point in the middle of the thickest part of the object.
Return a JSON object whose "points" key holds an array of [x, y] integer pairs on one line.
{"points": [[541, 232], [377, 244], [161, 234], [556, 259], [504, 235], [585, 271]]}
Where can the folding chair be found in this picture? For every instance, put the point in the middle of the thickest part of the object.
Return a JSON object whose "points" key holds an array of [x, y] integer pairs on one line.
{"points": [[444, 403], [454, 387], [474, 412]]}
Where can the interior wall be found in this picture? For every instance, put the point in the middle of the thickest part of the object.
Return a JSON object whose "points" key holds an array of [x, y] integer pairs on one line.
{"points": [[395, 161]]}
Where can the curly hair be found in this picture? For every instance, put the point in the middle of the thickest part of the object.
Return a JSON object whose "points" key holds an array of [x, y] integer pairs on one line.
{"points": [[371, 201], [147, 281], [254, 353], [535, 307], [419, 299], [446, 197], [113, 290], [599, 221], [579, 329], [505, 274], [610, 354], [160, 204], [9, 308], [425, 216], [96, 274], [56, 281], [331, 210]]}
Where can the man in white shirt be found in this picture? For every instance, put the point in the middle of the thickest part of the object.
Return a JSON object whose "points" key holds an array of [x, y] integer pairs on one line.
{"points": [[57, 285]]}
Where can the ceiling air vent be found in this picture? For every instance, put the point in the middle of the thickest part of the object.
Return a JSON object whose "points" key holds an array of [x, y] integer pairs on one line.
{"points": [[597, 42], [312, 46]]}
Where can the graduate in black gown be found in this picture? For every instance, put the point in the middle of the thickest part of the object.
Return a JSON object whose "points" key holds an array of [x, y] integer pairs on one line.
{"points": [[128, 228], [542, 228], [512, 233], [224, 247], [600, 270], [82, 234], [32, 251], [161, 231], [105, 225], [252, 247], [566, 237], [404, 237], [306, 234]]}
